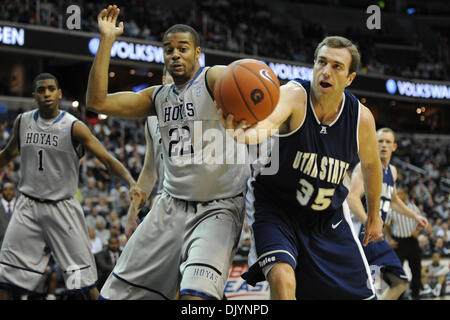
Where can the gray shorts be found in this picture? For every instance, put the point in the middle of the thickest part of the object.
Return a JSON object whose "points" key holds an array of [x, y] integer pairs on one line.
{"points": [[35, 230], [180, 245]]}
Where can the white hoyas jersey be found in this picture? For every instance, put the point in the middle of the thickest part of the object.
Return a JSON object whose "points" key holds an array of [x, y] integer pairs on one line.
{"points": [[199, 157], [155, 135], [48, 159]]}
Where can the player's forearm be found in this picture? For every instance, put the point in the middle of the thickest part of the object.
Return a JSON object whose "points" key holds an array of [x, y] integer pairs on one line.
{"points": [[373, 178], [400, 207], [116, 168], [357, 208], [97, 89], [6, 156], [147, 179]]}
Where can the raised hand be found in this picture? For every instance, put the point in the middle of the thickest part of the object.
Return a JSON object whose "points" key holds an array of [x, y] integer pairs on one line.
{"points": [[107, 19]]}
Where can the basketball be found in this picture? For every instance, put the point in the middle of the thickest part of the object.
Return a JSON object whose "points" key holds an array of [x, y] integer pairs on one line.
{"points": [[248, 89]]}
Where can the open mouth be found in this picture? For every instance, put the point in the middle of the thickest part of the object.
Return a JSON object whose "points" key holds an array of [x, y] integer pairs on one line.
{"points": [[177, 67], [48, 102], [324, 84]]}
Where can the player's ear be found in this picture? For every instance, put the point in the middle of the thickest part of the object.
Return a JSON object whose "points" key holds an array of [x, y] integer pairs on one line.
{"points": [[394, 147], [198, 52], [59, 94], [350, 78]]}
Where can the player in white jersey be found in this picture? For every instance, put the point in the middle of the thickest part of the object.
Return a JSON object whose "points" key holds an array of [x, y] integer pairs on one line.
{"points": [[189, 238], [48, 218], [381, 254], [151, 177]]}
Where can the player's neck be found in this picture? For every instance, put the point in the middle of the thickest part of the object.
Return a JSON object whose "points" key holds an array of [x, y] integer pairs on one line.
{"points": [[181, 83], [385, 163], [327, 108], [48, 115]]}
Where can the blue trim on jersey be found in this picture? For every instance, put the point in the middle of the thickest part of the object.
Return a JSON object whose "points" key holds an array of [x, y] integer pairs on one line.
{"points": [[83, 289], [100, 297], [195, 77], [59, 117], [196, 293]]}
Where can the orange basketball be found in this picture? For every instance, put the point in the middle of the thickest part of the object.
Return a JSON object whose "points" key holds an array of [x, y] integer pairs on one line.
{"points": [[248, 89]]}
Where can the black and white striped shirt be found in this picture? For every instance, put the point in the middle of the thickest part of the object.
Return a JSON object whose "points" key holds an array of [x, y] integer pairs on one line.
{"points": [[402, 226]]}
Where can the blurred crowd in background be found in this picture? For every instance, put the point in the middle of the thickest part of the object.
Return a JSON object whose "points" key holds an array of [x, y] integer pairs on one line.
{"points": [[262, 29]]}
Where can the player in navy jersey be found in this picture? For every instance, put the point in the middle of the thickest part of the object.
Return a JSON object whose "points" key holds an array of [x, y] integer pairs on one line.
{"points": [[380, 255], [304, 242]]}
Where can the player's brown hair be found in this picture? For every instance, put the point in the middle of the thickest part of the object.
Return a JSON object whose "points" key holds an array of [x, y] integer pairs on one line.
{"points": [[341, 42]]}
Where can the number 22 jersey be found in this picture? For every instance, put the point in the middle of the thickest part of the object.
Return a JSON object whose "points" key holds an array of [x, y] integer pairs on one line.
{"points": [[201, 161], [314, 159]]}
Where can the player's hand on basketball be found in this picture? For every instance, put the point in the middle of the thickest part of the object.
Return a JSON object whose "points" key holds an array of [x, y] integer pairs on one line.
{"points": [[235, 128], [107, 19], [374, 230]]}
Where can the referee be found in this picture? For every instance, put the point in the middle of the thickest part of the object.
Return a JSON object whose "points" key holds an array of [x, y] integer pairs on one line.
{"points": [[401, 233]]}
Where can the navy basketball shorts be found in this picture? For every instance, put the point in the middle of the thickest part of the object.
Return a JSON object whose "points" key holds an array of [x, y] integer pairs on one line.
{"points": [[382, 257], [322, 248]]}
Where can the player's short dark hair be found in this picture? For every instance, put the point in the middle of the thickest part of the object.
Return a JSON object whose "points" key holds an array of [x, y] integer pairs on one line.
{"points": [[385, 129], [184, 28], [341, 42], [44, 76]]}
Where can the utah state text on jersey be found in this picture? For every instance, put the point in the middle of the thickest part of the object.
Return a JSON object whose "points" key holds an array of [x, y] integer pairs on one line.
{"points": [[331, 170]]}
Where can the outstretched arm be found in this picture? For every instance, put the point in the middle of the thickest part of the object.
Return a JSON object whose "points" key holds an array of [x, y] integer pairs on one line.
{"points": [[126, 104], [372, 174], [354, 196], [82, 134], [289, 110], [146, 181], [399, 206]]}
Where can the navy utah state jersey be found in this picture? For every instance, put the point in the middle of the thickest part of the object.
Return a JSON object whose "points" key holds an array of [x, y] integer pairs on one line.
{"points": [[314, 159], [386, 193]]}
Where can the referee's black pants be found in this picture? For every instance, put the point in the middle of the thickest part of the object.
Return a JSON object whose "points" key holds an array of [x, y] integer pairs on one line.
{"points": [[408, 249]]}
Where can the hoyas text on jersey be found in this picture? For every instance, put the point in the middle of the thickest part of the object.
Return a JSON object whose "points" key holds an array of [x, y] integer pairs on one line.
{"points": [[173, 113], [41, 138]]}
